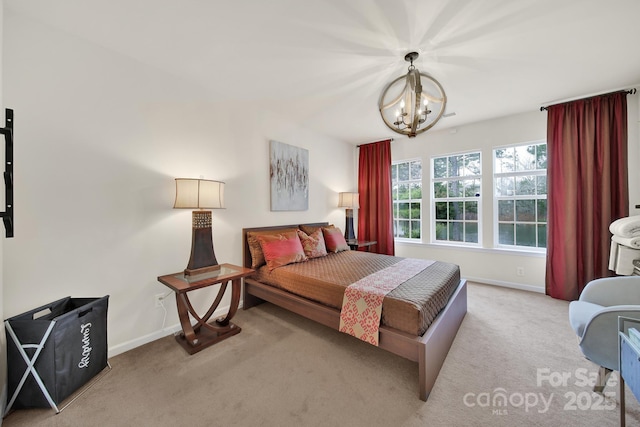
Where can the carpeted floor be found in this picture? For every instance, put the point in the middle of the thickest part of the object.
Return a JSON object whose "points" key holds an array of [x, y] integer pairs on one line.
{"points": [[515, 362]]}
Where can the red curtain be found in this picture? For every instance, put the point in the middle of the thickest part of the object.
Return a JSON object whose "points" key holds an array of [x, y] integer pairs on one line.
{"points": [[375, 218], [587, 189]]}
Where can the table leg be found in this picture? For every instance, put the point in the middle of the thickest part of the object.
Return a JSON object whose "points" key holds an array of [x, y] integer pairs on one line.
{"points": [[183, 314], [236, 287], [201, 335]]}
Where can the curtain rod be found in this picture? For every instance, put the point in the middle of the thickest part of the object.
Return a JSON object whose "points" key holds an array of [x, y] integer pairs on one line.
{"points": [[628, 92], [380, 140]]}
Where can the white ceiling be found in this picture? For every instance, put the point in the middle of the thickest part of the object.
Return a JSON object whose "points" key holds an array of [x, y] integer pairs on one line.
{"points": [[325, 62]]}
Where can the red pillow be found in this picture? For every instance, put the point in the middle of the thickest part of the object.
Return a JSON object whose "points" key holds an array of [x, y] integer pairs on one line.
{"points": [[281, 249], [334, 239], [313, 244]]}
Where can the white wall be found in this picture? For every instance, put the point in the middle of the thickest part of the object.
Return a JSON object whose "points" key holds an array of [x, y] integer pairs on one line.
{"points": [[487, 264], [100, 139]]}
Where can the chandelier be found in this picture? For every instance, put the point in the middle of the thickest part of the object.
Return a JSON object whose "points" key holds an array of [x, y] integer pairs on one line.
{"points": [[413, 103]]}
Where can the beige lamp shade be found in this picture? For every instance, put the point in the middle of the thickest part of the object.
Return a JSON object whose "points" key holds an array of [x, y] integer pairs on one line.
{"points": [[199, 194], [349, 200]]}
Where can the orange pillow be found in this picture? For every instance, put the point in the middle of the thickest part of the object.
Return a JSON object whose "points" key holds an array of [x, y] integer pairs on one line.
{"points": [[281, 249], [334, 240], [313, 244], [257, 257]]}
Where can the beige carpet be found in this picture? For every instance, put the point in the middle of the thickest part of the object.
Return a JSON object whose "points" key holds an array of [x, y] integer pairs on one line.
{"points": [[283, 370]]}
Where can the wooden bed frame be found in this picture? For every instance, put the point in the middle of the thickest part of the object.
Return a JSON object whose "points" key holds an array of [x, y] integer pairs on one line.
{"points": [[429, 350]]}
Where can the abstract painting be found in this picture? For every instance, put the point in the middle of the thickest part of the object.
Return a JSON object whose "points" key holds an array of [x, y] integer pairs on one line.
{"points": [[289, 177]]}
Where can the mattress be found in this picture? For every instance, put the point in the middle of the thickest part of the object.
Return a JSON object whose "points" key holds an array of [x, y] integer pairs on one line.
{"points": [[411, 307]]}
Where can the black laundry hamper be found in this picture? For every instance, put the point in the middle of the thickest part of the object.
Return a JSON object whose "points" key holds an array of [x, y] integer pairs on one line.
{"points": [[69, 345]]}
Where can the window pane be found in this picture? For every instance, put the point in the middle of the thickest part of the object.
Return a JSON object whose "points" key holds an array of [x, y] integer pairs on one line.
{"points": [[441, 231], [526, 210], [441, 210], [440, 167], [416, 170], [525, 157], [472, 164], [394, 191], [403, 210], [541, 156], [542, 236], [403, 192], [395, 210], [439, 190], [472, 188], [505, 210], [415, 229], [505, 186], [415, 210], [416, 191], [504, 160], [456, 165], [526, 185], [541, 184], [471, 232], [526, 235], [403, 228], [506, 234], [403, 172], [456, 188], [456, 231], [394, 172], [455, 210], [471, 211], [542, 210]]}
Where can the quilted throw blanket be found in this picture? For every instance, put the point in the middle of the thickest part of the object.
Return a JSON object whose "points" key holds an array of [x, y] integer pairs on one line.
{"points": [[362, 304]]}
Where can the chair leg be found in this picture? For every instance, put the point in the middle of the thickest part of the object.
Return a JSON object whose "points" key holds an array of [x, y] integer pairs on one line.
{"points": [[601, 381]]}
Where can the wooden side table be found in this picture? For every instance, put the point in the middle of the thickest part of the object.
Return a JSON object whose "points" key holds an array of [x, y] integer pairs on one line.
{"points": [[354, 244], [194, 338]]}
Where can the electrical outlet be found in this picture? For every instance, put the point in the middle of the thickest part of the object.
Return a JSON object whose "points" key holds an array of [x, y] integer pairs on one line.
{"points": [[520, 271], [158, 298]]}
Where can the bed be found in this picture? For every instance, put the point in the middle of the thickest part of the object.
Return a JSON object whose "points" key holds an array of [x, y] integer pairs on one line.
{"points": [[408, 330]]}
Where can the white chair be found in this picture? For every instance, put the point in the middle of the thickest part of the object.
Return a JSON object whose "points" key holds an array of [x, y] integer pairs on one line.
{"points": [[594, 318]]}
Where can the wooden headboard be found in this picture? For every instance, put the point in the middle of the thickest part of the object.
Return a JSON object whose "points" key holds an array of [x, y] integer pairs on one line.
{"points": [[246, 254]]}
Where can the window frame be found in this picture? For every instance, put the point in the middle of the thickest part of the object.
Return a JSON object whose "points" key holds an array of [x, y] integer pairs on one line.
{"points": [[521, 197], [395, 202], [476, 198]]}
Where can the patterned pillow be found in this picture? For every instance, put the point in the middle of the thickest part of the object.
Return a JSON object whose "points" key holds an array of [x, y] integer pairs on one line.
{"points": [[310, 229], [281, 249], [313, 244], [334, 239], [257, 257]]}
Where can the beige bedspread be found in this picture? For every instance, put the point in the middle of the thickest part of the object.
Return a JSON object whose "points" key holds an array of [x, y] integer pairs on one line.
{"points": [[411, 307]]}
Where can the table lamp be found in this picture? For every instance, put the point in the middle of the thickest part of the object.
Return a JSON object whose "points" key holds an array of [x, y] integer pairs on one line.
{"points": [[200, 194], [350, 201]]}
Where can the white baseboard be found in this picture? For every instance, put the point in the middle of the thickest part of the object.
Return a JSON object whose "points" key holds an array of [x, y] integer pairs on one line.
{"points": [[137, 342], [520, 286], [169, 330]]}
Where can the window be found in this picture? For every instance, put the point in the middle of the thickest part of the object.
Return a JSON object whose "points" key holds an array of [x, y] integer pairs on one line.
{"points": [[456, 195], [520, 195], [406, 187]]}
